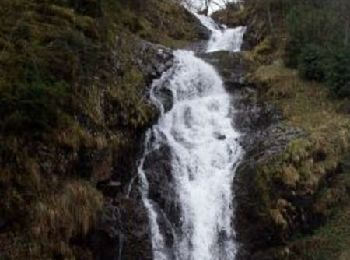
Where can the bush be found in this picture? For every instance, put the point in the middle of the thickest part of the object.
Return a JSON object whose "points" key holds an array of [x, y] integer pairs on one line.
{"points": [[317, 44], [31, 108], [312, 63], [338, 76]]}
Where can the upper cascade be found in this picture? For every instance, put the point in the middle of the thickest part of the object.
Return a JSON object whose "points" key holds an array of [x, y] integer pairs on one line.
{"points": [[222, 38], [213, 6]]}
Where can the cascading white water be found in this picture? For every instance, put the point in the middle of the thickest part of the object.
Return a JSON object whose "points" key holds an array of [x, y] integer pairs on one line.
{"points": [[222, 38], [204, 153], [213, 6]]}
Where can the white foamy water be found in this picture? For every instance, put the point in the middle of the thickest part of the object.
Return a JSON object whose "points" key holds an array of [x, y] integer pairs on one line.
{"points": [[222, 38], [214, 5], [204, 153]]}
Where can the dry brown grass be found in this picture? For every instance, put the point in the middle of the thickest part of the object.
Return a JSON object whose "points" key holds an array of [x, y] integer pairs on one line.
{"points": [[70, 212], [67, 212]]}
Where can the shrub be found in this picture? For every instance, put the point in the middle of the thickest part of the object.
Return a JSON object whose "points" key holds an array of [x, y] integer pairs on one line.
{"points": [[31, 108], [312, 62], [338, 76], [317, 43]]}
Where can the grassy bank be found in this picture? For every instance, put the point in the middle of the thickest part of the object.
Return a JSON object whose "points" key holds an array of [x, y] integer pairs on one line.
{"points": [[302, 193], [72, 107]]}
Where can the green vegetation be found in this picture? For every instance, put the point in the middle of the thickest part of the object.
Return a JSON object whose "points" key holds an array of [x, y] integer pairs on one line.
{"points": [[300, 64], [306, 162], [318, 43], [71, 88], [313, 36], [331, 240]]}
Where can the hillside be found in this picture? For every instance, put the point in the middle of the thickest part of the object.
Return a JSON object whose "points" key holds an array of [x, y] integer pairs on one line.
{"points": [[297, 177], [74, 77]]}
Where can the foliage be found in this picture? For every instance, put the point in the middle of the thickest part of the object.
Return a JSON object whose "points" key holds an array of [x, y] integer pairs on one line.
{"points": [[312, 63], [331, 240], [307, 165], [318, 43], [312, 40], [34, 106], [71, 89], [338, 75]]}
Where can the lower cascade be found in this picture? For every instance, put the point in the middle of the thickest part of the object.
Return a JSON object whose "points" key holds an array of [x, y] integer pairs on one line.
{"points": [[190, 158]]}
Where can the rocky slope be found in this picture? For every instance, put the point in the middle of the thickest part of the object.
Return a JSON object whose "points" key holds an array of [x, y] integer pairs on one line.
{"points": [[73, 87], [292, 187]]}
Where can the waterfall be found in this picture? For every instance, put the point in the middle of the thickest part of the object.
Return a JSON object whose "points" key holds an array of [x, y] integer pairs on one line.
{"points": [[195, 134], [222, 38], [198, 5]]}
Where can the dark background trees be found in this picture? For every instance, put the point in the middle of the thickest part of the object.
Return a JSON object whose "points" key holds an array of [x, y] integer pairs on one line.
{"points": [[316, 34], [318, 42]]}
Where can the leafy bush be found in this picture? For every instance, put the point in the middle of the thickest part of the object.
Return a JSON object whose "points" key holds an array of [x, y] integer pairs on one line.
{"points": [[338, 76], [31, 108], [317, 43], [312, 62]]}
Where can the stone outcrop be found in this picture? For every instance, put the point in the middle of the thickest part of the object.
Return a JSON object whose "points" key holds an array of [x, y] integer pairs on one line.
{"points": [[123, 231]]}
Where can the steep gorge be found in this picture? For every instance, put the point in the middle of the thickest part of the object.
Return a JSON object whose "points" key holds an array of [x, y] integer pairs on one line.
{"points": [[91, 169]]}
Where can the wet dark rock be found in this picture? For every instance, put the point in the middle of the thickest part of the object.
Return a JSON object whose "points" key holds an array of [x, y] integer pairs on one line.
{"points": [[203, 32], [158, 169], [231, 66], [107, 234], [162, 191], [198, 46], [155, 59], [122, 231], [220, 136], [165, 96], [110, 188]]}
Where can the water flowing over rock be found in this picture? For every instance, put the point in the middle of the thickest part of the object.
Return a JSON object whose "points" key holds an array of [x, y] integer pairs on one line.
{"points": [[213, 6], [222, 38], [190, 157]]}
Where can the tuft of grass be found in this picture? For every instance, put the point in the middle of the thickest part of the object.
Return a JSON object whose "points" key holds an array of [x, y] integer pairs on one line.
{"points": [[57, 216]]}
